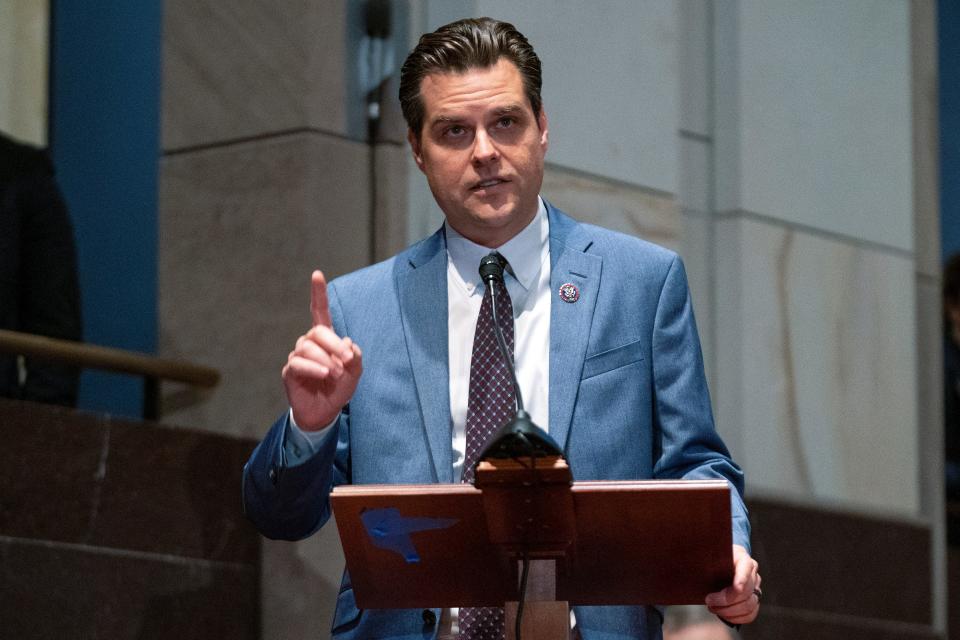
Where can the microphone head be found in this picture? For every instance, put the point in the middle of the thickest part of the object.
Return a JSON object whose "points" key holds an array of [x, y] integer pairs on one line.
{"points": [[491, 267], [377, 18]]}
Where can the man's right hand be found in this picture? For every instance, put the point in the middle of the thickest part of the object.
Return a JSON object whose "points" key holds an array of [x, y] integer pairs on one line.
{"points": [[323, 369]]}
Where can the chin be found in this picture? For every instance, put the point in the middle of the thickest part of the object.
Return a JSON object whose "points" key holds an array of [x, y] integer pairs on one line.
{"points": [[500, 207], [495, 217]]}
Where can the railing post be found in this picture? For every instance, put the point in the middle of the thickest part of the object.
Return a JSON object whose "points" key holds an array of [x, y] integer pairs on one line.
{"points": [[151, 398]]}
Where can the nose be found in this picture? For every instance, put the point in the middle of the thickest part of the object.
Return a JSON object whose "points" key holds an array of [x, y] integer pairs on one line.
{"points": [[484, 150]]}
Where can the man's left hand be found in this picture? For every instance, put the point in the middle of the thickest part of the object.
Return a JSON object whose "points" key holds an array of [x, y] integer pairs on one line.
{"points": [[740, 602]]}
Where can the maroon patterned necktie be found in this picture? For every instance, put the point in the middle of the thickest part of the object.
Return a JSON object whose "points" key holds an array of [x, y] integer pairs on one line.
{"points": [[490, 405]]}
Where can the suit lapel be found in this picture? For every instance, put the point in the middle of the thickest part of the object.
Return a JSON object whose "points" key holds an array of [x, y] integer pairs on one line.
{"points": [[422, 290], [569, 321]]}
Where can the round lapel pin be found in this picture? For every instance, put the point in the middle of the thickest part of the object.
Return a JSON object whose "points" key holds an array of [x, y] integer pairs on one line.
{"points": [[569, 292]]}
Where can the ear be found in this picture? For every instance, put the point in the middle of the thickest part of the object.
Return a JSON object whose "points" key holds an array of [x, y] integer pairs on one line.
{"points": [[544, 129], [415, 148]]}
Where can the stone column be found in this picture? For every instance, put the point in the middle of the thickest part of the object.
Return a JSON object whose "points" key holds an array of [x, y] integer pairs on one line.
{"points": [[814, 249], [264, 177]]}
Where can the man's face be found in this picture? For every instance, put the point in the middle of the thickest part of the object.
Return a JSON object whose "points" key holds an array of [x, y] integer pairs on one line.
{"points": [[482, 151]]}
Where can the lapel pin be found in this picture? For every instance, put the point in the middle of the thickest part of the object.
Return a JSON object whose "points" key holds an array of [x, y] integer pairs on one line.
{"points": [[569, 292]]}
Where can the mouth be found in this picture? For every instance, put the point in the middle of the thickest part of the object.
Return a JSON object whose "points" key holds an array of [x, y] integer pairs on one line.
{"points": [[489, 183]]}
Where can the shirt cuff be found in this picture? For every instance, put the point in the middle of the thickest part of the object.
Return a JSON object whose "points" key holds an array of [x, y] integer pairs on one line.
{"points": [[299, 445]]}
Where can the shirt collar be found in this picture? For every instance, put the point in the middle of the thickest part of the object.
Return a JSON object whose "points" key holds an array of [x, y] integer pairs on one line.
{"points": [[525, 252]]}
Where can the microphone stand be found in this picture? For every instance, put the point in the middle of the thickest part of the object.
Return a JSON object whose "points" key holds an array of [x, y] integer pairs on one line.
{"points": [[519, 437]]}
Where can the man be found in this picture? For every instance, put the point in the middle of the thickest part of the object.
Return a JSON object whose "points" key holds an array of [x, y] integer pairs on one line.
{"points": [[39, 290], [605, 344], [951, 376]]}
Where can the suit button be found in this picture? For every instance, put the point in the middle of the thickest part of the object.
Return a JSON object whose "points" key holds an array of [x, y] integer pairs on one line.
{"points": [[429, 617], [273, 475]]}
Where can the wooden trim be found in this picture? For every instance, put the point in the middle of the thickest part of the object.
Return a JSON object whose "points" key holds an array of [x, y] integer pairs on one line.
{"points": [[107, 358]]}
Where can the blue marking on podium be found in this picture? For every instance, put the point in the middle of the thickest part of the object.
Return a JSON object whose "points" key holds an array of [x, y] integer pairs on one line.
{"points": [[391, 531]]}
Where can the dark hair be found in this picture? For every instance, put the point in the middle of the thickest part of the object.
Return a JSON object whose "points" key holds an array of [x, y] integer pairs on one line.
{"points": [[951, 286], [466, 44]]}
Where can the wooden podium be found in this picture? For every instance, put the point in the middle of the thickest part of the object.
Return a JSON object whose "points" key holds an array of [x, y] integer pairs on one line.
{"points": [[589, 543]]}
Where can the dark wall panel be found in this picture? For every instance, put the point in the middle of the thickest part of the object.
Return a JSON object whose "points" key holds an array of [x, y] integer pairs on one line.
{"points": [[104, 136], [832, 574]]}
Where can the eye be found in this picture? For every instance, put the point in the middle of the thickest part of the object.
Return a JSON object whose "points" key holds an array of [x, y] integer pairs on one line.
{"points": [[505, 122], [454, 131]]}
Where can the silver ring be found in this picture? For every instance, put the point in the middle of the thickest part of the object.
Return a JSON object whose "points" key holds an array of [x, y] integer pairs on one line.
{"points": [[758, 593]]}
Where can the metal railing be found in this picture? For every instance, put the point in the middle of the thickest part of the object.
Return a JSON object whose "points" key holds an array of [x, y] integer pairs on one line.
{"points": [[153, 370]]}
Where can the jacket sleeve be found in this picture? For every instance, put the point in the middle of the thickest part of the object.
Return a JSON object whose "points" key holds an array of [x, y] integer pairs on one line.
{"points": [[287, 501], [689, 446]]}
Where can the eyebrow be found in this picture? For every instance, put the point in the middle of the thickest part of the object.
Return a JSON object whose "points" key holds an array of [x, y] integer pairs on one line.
{"points": [[509, 108], [498, 111]]}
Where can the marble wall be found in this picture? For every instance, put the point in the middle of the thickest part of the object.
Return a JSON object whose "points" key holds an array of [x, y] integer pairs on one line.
{"points": [[926, 201], [124, 529], [800, 546], [815, 336], [813, 115], [797, 188], [249, 68], [808, 186], [262, 180], [615, 205], [242, 226], [695, 195]]}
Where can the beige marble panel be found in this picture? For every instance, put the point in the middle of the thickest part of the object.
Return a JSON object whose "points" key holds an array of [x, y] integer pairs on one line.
{"points": [[639, 212], [246, 68], [813, 117], [695, 20], [425, 215], [393, 170], [696, 249], [299, 585], [816, 361], [241, 228], [696, 189]]}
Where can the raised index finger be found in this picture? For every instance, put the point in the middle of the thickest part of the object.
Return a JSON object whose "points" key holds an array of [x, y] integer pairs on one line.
{"points": [[319, 304]]}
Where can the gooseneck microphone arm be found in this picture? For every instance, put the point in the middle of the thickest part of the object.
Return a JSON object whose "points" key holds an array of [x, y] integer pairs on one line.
{"points": [[520, 437], [491, 271]]}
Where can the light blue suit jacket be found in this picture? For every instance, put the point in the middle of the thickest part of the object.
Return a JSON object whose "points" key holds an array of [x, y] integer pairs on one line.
{"points": [[628, 398]]}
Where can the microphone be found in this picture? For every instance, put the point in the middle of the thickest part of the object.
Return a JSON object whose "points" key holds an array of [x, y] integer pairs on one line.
{"points": [[520, 436], [376, 44], [377, 18]]}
